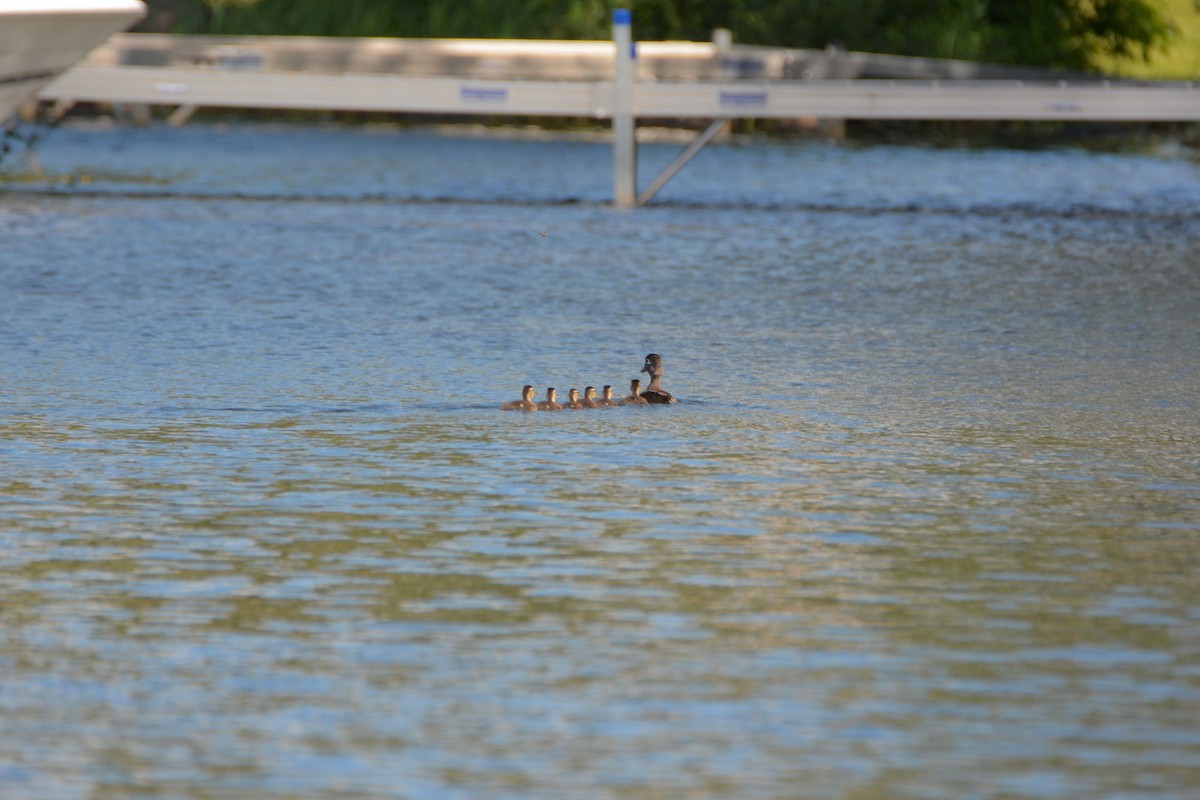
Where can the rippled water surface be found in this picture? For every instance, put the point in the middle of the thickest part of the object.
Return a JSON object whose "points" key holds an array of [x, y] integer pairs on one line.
{"points": [[925, 523]]}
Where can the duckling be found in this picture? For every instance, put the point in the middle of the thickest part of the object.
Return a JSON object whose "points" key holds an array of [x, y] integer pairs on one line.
{"points": [[635, 395], [573, 403], [549, 403], [524, 404], [607, 399], [654, 393], [589, 398]]}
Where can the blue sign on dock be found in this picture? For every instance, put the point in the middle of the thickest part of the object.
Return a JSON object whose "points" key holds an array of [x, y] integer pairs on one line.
{"points": [[483, 94], [742, 99]]}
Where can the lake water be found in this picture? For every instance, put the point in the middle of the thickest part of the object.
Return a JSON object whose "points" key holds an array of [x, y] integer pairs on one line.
{"points": [[925, 523]]}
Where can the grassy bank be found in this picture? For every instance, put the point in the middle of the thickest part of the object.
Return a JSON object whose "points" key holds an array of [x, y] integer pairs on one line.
{"points": [[1178, 58]]}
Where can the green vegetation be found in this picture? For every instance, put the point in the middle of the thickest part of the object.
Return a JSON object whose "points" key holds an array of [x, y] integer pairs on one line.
{"points": [[1177, 58], [1076, 34]]}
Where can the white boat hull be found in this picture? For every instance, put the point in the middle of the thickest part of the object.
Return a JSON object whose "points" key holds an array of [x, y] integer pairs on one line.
{"points": [[39, 39]]}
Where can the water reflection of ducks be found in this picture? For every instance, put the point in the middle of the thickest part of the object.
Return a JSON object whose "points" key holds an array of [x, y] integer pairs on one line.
{"points": [[635, 395], [524, 404], [654, 393], [550, 404]]}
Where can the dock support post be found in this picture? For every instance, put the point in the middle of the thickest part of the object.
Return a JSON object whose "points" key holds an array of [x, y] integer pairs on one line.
{"points": [[689, 152], [180, 115], [624, 142]]}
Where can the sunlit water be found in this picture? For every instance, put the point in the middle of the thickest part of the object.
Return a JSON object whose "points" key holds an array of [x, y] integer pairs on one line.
{"points": [[925, 523]]}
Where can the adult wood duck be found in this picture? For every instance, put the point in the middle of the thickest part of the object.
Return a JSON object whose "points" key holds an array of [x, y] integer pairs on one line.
{"points": [[654, 393], [524, 404]]}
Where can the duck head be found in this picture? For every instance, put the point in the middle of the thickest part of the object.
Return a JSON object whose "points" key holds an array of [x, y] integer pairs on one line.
{"points": [[653, 365]]}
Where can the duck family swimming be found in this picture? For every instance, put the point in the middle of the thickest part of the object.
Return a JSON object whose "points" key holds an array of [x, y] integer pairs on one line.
{"points": [[652, 394]]}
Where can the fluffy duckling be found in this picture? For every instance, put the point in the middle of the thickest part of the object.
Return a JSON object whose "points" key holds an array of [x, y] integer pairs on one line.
{"points": [[607, 399], [635, 395], [524, 404], [654, 393], [573, 401], [589, 398], [550, 403]]}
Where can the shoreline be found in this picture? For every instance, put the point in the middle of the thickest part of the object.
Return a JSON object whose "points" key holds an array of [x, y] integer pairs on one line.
{"points": [[1180, 139]]}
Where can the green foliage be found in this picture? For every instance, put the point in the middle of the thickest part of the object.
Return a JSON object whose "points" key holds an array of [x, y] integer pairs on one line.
{"points": [[405, 18], [1056, 33], [1072, 33], [1178, 58]]}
